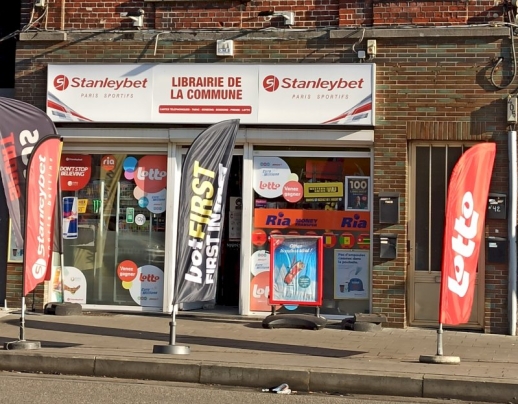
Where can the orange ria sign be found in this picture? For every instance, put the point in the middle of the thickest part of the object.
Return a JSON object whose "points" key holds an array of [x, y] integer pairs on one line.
{"points": [[310, 219]]}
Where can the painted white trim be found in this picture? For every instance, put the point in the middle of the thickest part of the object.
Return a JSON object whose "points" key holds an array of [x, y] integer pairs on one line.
{"points": [[91, 148], [305, 153], [171, 226], [309, 137], [118, 308], [246, 231], [141, 135]]}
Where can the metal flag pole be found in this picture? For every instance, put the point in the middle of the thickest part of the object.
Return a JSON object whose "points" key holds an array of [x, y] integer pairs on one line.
{"points": [[439, 357], [22, 343], [439, 340], [172, 348]]}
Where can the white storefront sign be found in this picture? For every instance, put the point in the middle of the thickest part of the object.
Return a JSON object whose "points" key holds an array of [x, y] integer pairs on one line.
{"points": [[338, 94]]}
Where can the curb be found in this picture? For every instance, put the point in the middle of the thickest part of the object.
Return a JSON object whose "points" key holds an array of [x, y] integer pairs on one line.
{"points": [[299, 379]]}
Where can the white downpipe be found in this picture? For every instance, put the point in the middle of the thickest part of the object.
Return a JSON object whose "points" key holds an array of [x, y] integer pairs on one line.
{"points": [[513, 188]]}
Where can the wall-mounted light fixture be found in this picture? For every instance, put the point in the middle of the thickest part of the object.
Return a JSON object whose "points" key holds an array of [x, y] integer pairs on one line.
{"points": [[136, 16], [289, 16]]}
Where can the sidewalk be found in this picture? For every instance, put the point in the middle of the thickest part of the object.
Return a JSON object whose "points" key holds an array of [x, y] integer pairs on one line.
{"points": [[238, 351]]}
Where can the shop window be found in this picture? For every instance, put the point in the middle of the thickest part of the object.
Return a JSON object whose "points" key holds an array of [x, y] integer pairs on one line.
{"points": [[315, 196], [113, 216]]}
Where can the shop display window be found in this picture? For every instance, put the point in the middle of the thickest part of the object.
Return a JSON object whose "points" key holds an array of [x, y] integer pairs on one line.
{"points": [[314, 196], [113, 229]]}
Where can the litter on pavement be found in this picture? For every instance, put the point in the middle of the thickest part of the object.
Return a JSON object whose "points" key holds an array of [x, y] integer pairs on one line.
{"points": [[280, 389]]}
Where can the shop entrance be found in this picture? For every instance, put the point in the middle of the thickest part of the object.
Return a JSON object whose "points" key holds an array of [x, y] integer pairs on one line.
{"points": [[229, 268]]}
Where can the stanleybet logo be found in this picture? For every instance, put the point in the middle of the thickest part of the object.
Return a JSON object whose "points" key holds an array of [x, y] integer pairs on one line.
{"points": [[271, 83], [61, 82]]}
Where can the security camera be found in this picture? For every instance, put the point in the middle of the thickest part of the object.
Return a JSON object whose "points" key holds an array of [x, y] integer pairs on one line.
{"points": [[137, 17], [289, 16]]}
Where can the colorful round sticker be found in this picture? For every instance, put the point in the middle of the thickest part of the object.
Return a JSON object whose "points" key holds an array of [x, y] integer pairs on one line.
{"points": [[329, 240], [140, 219], [292, 191], [108, 162], [127, 271], [346, 240], [151, 173], [259, 237]]}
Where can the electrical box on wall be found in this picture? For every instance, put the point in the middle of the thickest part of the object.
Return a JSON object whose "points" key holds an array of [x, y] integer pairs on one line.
{"points": [[389, 207], [496, 250], [388, 243], [497, 206]]}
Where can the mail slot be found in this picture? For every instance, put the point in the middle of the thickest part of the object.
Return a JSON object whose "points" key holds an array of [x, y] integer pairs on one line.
{"points": [[389, 207], [497, 206], [388, 243], [496, 250]]}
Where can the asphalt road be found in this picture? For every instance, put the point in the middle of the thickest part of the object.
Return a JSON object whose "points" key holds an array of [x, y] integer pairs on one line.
{"points": [[18, 388]]}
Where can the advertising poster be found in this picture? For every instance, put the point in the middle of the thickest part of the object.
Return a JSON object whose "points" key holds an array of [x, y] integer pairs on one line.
{"points": [[148, 286], [260, 281], [75, 171], [188, 93], [70, 217], [311, 219], [296, 270], [15, 250], [145, 284], [323, 191], [74, 285], [351, 274], [357, 193]]}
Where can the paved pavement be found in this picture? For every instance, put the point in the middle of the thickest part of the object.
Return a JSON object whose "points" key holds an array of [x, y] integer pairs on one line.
{"points": [[239, 351]]}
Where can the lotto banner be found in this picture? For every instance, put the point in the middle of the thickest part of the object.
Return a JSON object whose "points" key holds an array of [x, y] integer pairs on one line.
{"points": [[21, 126], [203, 192], [465, 215], [42, 188]]}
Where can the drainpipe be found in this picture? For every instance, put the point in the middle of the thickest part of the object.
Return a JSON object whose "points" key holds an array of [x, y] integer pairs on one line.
{"points": [[513, 188]]}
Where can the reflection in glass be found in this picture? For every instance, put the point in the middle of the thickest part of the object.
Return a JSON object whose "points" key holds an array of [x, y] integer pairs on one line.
{"points": [[115, 225]]}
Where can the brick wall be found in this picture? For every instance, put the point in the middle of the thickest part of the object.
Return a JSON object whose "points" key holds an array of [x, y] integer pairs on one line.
{"points": [[34, 300], [217, 15]]}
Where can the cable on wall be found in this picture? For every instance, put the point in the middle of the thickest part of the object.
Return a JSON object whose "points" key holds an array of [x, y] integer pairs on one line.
{"points": [[499, 61]]}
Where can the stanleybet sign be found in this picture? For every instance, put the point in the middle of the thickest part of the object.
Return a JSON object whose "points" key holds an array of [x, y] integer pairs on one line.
{"points": [[189, 93]]}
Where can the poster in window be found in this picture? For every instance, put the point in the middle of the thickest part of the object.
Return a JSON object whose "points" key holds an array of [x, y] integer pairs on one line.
{"points": [[15, 252], [357, 193], [351, 274], [296, 270]]}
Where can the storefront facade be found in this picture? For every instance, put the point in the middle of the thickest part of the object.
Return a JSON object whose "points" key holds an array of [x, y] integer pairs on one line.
{"points": [[433, 96], [122, 254]]}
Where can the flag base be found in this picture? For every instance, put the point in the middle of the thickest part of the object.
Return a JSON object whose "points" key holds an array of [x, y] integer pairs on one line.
{"points": [[172, 349], [11, 346], [440, 359]]}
